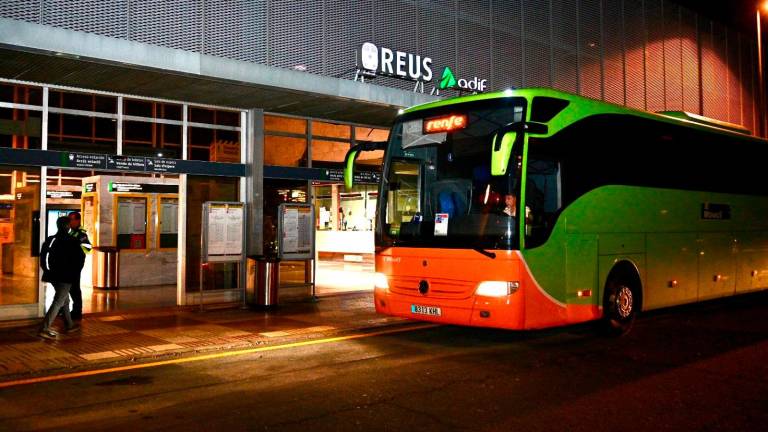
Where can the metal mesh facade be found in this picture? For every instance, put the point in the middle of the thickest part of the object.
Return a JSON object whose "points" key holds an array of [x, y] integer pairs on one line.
{"points": [[648, 54]]}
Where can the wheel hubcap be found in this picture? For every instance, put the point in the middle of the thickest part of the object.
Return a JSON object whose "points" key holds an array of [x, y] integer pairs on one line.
{"points": [[624, 302]]}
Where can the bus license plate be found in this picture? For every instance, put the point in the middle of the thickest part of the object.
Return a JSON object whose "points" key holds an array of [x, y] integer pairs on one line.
{"points": [[426, 310]]}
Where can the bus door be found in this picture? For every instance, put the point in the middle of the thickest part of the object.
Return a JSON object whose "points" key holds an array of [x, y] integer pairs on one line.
{"points": [[404, 195]]}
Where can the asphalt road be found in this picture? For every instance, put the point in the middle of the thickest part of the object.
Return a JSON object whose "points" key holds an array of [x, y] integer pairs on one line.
{"points": [[695, 368]]}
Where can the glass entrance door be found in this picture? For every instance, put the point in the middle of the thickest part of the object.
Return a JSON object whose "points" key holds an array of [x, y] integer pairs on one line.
{"points": [[344, 237], [19, 239]]}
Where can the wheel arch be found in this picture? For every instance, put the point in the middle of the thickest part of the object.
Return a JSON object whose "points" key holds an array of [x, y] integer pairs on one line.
{"points": [[627, 270]]}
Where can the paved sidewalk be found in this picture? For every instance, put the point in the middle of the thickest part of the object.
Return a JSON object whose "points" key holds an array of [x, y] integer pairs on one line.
{"points": [[107, 340]]}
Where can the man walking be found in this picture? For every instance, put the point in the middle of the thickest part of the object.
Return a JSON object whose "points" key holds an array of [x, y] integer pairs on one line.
{"points": [[79, 234], [58, 259]]}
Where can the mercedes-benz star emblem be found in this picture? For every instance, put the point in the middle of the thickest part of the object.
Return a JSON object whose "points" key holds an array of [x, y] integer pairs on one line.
{"points": [[424, 287]]}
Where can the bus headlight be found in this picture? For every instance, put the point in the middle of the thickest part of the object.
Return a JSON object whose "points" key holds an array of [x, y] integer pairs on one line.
{"points": [[497, 288], [380, 281]]}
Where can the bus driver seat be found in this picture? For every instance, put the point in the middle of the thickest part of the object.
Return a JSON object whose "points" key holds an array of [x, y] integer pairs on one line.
{"points": [[451, 196]]}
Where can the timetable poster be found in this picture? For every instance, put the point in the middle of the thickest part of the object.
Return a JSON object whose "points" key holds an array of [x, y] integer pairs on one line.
{"points": [[224, 231]]}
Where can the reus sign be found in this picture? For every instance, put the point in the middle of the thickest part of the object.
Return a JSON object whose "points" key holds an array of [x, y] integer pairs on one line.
{"points": [[386, 61]]}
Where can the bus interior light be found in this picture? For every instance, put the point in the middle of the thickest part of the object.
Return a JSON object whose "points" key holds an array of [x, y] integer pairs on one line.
{"points": [[380, 281], [497, 288]]}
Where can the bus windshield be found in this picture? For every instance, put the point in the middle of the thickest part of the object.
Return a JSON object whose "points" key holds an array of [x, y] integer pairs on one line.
{"points": [[437, 189]]}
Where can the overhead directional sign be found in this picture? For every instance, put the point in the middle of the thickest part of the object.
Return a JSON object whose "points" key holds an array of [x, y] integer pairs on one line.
{"points": [[319, 174], [118, 163], [85, 160], [127, 163], [162, 165]]}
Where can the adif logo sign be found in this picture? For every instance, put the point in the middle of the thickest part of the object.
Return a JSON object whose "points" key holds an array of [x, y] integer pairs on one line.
{"points": [[448, 80], [386, 61]]}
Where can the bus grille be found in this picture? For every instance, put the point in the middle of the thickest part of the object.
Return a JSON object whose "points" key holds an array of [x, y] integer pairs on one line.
{"points": [[438, 288]]}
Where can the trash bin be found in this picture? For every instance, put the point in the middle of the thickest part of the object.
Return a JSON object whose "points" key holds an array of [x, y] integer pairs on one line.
{"points": [[263, 281], [106, 268]]}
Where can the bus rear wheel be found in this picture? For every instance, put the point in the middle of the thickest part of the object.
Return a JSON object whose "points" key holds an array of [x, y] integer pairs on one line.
{"points": [[621, 304]]}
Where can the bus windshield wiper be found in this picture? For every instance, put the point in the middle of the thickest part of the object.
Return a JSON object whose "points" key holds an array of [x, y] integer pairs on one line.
{"points": [[491, 255]]}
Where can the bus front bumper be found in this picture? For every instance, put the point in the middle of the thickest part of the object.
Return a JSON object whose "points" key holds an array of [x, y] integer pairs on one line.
{"points": [[506, 312]]}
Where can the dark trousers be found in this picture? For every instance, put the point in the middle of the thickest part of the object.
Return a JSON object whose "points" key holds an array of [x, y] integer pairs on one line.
{"points": [[60, 303], [77, 299]]}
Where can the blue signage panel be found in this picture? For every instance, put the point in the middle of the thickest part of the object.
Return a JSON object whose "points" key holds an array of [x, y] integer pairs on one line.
{"points": [[319, 174], [118, 163]]}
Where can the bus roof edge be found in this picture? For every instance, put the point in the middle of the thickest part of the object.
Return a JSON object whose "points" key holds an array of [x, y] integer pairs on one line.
{"points": [[684, 115]]}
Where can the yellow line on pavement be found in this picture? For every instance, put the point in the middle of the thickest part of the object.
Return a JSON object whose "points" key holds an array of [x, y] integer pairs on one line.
{"points": [[213, 356]]}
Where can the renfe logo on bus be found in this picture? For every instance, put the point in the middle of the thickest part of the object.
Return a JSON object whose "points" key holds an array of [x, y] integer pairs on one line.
{"points": [[445, 123]]}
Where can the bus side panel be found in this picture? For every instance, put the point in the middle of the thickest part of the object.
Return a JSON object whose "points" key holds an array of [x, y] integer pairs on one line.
{"points": [[581, 269], [673, 269], [559, 268], [717, 265], [752, 270]]}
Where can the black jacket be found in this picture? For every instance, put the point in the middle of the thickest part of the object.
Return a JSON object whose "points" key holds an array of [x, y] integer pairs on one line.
{"points": [[85, 244], [61, 258]]}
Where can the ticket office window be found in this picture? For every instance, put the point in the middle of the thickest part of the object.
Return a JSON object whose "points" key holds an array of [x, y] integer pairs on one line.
{"points": [[168, 220], [131, 223]]}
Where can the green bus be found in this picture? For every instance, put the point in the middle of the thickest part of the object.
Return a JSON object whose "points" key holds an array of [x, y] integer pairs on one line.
{"points": [[534, 208]]}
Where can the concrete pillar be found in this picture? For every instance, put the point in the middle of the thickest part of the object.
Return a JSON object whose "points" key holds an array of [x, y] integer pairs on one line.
{"points": [[255, 183]]}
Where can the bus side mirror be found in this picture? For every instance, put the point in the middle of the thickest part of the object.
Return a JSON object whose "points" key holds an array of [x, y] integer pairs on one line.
{"points": [[352, 154], [501, 151], [504, 140], [349, 167]]}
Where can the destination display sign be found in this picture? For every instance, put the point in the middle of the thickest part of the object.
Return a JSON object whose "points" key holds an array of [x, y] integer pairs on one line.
{"points": [[713, 211]]}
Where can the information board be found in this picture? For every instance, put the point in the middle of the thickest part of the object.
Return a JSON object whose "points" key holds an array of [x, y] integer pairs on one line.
{"points": [[296, 231], [131, 216], [223, 231], [169, 221]]}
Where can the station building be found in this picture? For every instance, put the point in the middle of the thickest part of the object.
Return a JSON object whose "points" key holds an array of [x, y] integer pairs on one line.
{"points": [[136, 113]]}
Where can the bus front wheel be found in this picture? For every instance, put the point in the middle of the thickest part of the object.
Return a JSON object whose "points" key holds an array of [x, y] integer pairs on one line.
{"points": [[621, 302]]}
